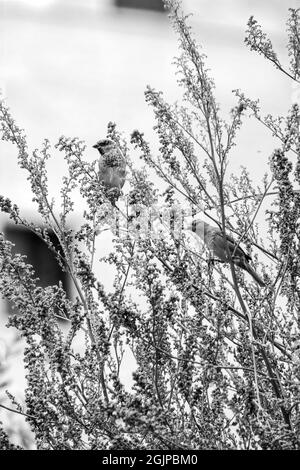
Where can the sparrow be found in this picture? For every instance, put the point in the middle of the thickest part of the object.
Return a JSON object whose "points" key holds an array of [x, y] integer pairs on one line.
{"points": [[214, 240], [112, 168]]}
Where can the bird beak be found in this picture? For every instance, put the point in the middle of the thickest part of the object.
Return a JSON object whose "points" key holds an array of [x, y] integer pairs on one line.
{"points": [[95, 146]]}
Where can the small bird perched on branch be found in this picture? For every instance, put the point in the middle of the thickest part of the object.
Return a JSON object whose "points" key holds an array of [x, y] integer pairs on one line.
{"points": [[112, 168], [214, 240]]}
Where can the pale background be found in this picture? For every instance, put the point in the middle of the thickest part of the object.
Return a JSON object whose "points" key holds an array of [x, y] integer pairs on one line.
{"points": [[68, 67]]}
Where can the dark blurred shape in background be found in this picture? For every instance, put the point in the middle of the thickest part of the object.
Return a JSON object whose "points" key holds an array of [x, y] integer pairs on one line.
{"points": [[43, 260], [144, 4]]}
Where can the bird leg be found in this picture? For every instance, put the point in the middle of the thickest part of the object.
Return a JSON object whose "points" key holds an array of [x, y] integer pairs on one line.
{"points": [[210, 259]]}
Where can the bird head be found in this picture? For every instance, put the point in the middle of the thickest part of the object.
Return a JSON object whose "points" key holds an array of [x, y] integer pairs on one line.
{"points": [[199, 227], [104, 145]]}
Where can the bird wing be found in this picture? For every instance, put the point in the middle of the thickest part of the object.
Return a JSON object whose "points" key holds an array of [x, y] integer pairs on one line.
{"points": [[218, 246], [215, 242], [238, 250]]}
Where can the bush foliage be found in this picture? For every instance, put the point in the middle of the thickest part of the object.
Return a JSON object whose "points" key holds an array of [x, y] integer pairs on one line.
{"points": [[217, 357]]}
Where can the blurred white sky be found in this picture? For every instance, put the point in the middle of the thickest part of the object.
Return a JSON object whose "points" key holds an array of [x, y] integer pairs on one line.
{"points": [[70, 67]]}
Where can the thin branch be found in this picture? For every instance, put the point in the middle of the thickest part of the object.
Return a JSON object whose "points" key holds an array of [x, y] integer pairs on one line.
{"points": [[19, 412]]}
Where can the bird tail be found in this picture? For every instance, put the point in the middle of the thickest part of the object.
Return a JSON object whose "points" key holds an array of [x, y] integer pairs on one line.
{"points": [[254, 275]]}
